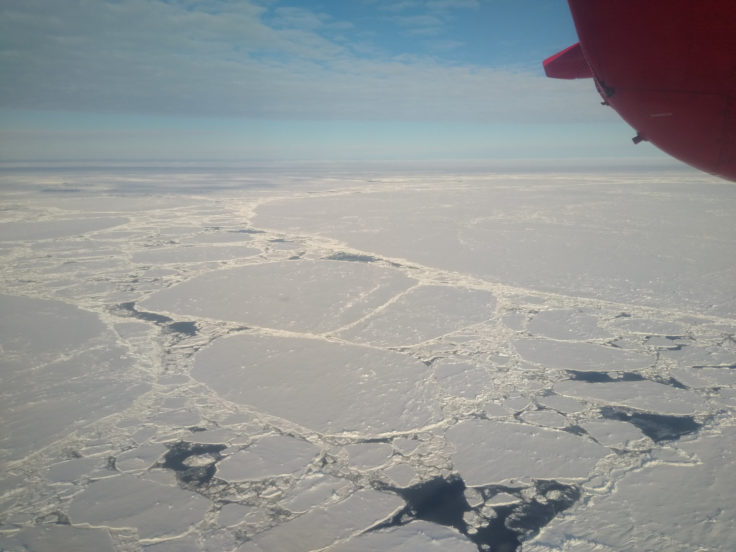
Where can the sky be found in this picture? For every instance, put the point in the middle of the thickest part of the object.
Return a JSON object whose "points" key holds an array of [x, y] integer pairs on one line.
{"points": [[311, 80]]}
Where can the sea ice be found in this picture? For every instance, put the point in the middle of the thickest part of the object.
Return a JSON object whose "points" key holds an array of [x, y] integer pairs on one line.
{"points": [[191, 254], [71, 470], [654, 508], [154, 510], [303, 296], [312, 490], [253, 361], [325, 386], [580, 356], [369, 455], [488, 452], [267, 457], [423, 313], [59, 538], [414, 537], [566, 324], [612, 433], [61, 369], [48, 229], [644, 395], [560, 236], [460, 379], [326, 525]]}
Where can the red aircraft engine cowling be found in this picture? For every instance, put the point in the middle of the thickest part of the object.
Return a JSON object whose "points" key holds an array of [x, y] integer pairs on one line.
{"points": [[668, 67]]}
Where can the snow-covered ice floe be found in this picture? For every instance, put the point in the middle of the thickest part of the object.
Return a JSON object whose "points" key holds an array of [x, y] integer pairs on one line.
{"points": [[492, 362]]}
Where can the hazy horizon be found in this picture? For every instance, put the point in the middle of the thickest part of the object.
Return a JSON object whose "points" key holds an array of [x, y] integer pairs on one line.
{"points": [[301, 81]]}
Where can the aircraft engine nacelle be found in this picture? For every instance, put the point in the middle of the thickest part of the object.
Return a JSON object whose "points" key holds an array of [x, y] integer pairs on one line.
{"points": [[668, 67]]}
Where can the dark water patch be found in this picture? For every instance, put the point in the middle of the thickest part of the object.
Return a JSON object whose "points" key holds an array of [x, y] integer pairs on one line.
{"points": [[247, 231], [60, 190], [152, 317], [575, 430], [678, 347], [604, 377], [518, 522], [613, 377], [501, 528], [658, 427], [342, 256], [192, 473], [130, 310], [661, 342], [373, 440], [439, 501], [672, 382], [185, 328]]}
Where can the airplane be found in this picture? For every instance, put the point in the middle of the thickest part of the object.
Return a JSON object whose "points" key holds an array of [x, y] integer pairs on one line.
{"points": [[668, 68]]}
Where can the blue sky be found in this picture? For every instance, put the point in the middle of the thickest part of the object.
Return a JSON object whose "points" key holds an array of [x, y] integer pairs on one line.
{"points": [[270, 80]]}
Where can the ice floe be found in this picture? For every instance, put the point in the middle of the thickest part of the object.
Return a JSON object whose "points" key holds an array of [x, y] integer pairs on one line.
{"points": [[297, 296], [494, 452], [325, 386]]}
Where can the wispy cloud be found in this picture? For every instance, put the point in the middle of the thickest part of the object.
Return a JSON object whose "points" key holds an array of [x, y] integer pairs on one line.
{"points": [[452, 4], [432, 5], [398, 6], [425, 17], [421, 24], [224, 59]]}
